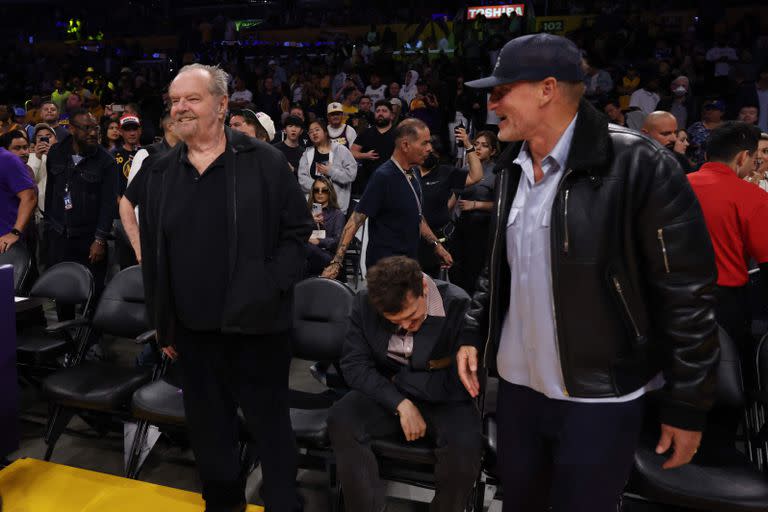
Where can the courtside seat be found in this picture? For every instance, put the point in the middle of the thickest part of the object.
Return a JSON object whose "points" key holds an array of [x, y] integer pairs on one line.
{"points": [[95, 386], [718, 478], [19, 258], [417, 452], [159, 402]]}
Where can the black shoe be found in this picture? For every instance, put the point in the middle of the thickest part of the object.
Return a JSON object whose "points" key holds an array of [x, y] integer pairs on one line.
{"points": [[226, 508]]}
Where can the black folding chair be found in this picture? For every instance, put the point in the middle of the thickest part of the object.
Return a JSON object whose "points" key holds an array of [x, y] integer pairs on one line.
{"points": [[19, 258], [41, 350], [99, 388]]}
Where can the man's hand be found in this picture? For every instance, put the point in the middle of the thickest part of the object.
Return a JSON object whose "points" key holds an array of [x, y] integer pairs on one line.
{"points": [[170, 352], [465, 205], [6, 241], [41, 148], [466, 361], [370, 155], [685, 444], [98, 251], [331, 271], [444, 255], [413, 424], [314, 241]]}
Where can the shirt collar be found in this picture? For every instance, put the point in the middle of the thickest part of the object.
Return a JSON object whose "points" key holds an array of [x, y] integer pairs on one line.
{"points": [[558, 155], [718, 168], [404, 171], [435, 305]]}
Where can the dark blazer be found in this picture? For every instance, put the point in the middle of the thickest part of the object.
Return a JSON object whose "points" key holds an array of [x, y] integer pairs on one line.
{"points": [[268, 226], [367, 368]]}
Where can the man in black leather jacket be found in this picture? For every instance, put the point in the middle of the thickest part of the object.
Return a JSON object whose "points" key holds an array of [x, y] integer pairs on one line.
{"points": [[599, 288]]}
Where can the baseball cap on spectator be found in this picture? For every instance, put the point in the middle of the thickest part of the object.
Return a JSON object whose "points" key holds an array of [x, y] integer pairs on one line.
{"points": [[271, 62], [43, 126], [714, 105], [534, 57], [395, 101], [19, 112], [266, 122], [129, 120], [335, 107], [293, 121]]}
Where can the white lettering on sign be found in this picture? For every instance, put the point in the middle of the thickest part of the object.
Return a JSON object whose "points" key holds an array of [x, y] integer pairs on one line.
{"points": [[494, 13]]}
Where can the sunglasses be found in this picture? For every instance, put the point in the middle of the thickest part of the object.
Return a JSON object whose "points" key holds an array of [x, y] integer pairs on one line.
{"points": [[320, 190]]}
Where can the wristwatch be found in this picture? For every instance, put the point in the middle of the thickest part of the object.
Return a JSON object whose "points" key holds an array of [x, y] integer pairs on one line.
{"points": [[470, 149], [16, 232]]}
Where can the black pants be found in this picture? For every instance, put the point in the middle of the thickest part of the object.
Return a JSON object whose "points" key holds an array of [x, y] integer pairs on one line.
{"points": [[733, 313], [455, 429], [317, 260], [61, 248], [573, 457], [219, 373], [469, 248]]}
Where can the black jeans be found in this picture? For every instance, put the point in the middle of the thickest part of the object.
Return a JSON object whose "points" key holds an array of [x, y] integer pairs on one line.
{"points": [[455, 428], [469, 248], [572, 457], [219, 373]]}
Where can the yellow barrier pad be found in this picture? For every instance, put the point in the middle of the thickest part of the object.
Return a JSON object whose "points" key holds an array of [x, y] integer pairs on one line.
{"points": [[30, 485]]}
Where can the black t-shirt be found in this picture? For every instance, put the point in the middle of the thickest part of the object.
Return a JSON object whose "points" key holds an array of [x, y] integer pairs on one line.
{"points": [[319, 158], [438, 185], [195, 227], [393, 210], [292, 154], [124, 159], [381, 143]]}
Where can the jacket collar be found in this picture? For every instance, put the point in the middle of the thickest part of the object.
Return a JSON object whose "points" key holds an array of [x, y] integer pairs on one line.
{"points": [[590, 147]]}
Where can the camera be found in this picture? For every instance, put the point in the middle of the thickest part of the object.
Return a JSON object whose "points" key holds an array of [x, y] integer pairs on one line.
{"points": [[45, 139]]}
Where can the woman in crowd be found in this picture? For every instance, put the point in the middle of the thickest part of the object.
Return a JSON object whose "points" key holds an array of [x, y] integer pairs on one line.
{"points": [[110, 135], [681, 150], [760, 176], [698, 133], [329, 221], [325, 159], [474, 206]]}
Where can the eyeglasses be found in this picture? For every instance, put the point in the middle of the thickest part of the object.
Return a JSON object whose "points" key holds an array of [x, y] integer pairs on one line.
{"points": [[86, 128], [320, 190]]}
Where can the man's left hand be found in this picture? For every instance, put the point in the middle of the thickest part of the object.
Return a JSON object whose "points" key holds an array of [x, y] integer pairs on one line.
{"points": [[6, 241], [444, 255], [97, 252], [685, 444]]}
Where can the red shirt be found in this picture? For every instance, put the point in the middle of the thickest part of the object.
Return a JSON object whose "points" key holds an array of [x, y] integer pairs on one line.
{"points": [[736, 213]]}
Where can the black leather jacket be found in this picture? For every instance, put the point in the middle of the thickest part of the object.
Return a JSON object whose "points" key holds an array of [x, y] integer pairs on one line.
{"points": [[633, 271]]}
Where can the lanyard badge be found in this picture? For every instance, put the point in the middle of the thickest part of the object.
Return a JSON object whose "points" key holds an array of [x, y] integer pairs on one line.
{"points": [[67, 198]]}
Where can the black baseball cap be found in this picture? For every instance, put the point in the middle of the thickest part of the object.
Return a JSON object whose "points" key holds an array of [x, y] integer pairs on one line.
{"points": [[534, 57], [293, 121]]}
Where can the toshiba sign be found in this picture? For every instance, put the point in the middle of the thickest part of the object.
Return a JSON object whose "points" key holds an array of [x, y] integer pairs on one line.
{"points": [[495, 12]]}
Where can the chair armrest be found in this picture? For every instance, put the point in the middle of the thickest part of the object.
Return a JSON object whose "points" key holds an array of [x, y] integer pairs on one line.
{"points": [[146, 337], [66, 324]]}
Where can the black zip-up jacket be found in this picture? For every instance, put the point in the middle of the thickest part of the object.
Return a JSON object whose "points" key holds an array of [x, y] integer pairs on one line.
{"points": [[633, 273], [268, 226], [92, 186]]}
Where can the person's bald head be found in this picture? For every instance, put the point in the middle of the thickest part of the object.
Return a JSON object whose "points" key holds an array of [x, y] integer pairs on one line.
{"points": [[661, 127]]}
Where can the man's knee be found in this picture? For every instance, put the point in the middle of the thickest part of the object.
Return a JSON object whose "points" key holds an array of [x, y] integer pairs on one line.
{"points": [[344, 421], [461, 453]]}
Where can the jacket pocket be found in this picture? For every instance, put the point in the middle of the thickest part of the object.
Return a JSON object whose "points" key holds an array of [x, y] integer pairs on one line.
{"points": [[683, 247]]}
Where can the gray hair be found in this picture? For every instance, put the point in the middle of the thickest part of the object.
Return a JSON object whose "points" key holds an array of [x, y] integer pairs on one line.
{"points": [[217, 85], [409, 129]]}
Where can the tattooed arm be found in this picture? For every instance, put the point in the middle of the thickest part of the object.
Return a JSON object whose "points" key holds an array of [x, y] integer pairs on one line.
{"points": [[347, 234]]}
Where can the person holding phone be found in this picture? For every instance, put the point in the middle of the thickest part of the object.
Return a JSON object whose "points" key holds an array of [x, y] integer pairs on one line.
{"points": [[325, 159], [44, 137], [329, 221]]}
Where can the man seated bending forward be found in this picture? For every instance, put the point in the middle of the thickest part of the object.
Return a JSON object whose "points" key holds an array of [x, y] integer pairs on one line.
{"points": [[397, 361]]}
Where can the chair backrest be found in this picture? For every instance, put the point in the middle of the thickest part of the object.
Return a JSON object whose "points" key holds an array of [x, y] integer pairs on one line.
{"points": [[730, 385], [19, 257], [762, 363], [66, 283], [321, 310], [121, 310]]}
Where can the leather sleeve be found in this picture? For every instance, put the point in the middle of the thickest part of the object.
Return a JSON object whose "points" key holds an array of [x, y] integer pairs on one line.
{"points": [[678, 264], [476, 319]]}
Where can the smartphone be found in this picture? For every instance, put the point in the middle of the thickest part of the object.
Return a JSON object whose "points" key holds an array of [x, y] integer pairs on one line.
{"points": [[118, 108], [45, 139], [317, 208]]}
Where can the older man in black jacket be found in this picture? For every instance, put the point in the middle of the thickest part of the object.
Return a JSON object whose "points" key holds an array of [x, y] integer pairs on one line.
{"points": [[398, 361], [599, 288], [228, 225]]}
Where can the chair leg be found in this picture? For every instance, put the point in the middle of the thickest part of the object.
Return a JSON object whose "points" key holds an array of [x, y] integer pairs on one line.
{"points": [[132, 467], [334, 487], [57, 423]]}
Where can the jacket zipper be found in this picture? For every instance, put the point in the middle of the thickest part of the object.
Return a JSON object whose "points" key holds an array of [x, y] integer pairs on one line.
{"points": [[492, 276], [554, 279], [660, 234], [565, 223], [620, 290]]}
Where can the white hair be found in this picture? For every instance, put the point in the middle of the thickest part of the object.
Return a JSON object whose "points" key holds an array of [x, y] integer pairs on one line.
{"points": [[217, 85]]}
